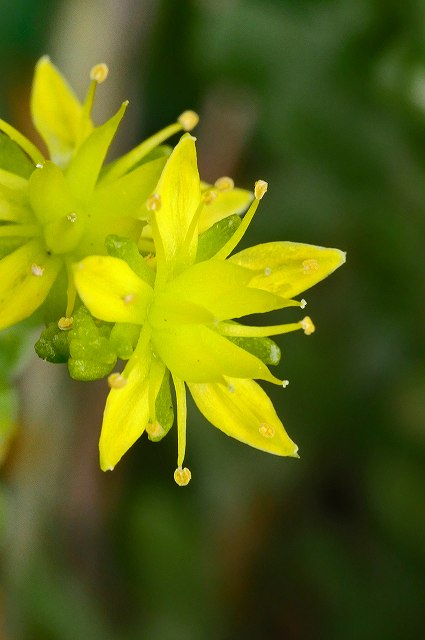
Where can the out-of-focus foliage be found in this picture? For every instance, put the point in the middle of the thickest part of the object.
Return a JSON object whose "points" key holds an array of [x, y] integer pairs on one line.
{"points": [[325, 100]]}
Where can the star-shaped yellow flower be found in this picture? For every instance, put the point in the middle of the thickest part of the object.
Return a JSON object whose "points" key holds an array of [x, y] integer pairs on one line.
{"points": [[56, 211], [186, 311]]}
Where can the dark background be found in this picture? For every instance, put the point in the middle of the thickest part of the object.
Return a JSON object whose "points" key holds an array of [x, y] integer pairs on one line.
{"points": [[325, 99]]}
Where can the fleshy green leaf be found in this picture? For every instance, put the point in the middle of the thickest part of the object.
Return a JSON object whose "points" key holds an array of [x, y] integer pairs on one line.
{"points": [[164, 409], [123, 339], [53, 344], [56, 112], [264, 348], [111, 290], [288, 268], [127, 250], [216, 237], [242, 410]]}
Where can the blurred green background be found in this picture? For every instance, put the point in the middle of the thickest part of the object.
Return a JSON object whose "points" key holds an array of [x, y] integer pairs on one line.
{"points": [[325, 99]]}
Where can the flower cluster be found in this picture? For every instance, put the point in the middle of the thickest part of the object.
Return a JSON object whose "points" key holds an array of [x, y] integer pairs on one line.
{"points": [[134, 260]]}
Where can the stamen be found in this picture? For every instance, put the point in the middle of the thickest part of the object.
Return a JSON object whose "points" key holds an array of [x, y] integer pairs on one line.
{"points": [[209, 196], [181, 423], [188, 120], [153, 203], [285, 383], [266, 430], [99, 72], [39, 165], [182, 476], [303, 303], [65, 324], [245, 331], [307, 326], [310, 265], [71, 217], [37, 270], [227, 249], [260, 189], [116, 381], [267, 271], [224, 184]]}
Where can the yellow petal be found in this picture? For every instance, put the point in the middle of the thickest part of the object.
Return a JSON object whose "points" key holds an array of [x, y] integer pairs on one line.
{"points": [[196, 353], [56, 111], [226, 204], [288, 268], [111, 290], [242, 410], [127, 408], [84, 168], [222, 288], [26, 276], [178, 197]]}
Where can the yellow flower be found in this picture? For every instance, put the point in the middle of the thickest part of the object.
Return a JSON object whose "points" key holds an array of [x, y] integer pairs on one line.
{"points": [[56, 211], [187, 311]]}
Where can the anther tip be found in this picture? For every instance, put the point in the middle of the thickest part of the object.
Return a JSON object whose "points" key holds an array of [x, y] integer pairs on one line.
{"points": [[224, 183], [260, 189], [182, 476], [307, 326], [116, 381], [65, 323], [99, 72], [188, 120], [153, 203]]}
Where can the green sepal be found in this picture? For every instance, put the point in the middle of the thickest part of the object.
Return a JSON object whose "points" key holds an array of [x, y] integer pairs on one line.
{"points": [[164, 408], [127, 250], [263, 348], [13, 158], [123, 339], [216, 237], [53, 344]]}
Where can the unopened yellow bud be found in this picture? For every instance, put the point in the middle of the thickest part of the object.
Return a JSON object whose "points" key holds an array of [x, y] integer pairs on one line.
{"points": [[307, 326], [65, 324], [260, 189], [99, 72], [182, 476], [188, 120], [224, 184], [116, 381]]}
